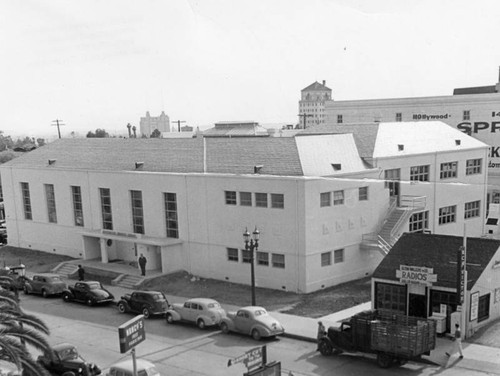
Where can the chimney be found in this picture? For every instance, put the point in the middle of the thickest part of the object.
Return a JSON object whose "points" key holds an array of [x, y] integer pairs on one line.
{"points": [[324, 83]]}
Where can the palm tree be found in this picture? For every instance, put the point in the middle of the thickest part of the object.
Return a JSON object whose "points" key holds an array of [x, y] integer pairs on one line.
{"points": [[18, 330]]}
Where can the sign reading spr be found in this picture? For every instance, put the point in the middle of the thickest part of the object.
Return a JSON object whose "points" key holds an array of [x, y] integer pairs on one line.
{"points": [[131, 333]]}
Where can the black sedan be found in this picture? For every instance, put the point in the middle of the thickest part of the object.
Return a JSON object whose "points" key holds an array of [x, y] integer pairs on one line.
{"points": [[65, 359], [89, 292]]}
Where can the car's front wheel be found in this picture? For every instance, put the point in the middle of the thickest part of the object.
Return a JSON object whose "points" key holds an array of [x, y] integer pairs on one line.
{"points": [[121, 307], [45, 294], [90, 302], [169, 318], [66, 297], [201, 324], [146, 312], [256, 334], [224, 327]]}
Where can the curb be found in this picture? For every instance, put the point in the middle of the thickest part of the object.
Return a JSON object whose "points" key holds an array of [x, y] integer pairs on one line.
{"points": [[299, 337]]}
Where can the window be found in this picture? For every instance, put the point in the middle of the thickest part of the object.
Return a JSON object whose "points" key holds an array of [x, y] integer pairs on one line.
{"points": [[107, 216], [326, 259], [245, 199], [277, 201], [363, 193], [419, 222], [447, 214], [171, 220], [232, 254], [473, 166], [448, 170], [325, 199], [338, 197], [77, 205], [340, 119], [466, 115], [261, 200], [399, 116], [230, 197], [137, 212], [25, 190], [51, 203], [419, 173], [483, 311], [263, 258], [338, 256], [388, 296], [246, 256], [278, 260], [472, 209]]}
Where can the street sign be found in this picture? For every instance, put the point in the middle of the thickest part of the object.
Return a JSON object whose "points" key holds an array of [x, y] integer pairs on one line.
{"points": [[255, 357], [131, 333], [270, 369]]}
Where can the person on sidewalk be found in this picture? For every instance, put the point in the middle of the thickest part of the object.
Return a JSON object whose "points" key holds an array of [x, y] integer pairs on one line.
{"points": [[321, 333], [142, 264], [81, 273], [457, 343]]}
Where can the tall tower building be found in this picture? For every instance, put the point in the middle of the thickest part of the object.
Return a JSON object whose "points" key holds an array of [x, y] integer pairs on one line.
{"points": [[149, 123], [312, 104]]}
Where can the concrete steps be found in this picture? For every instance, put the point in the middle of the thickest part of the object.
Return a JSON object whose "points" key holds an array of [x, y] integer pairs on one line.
{"points": [[65, 269], [127, 281]]}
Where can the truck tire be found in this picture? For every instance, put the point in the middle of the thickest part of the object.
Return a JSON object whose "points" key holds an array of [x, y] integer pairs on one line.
{"points": [[384, 360], [325, 348]]}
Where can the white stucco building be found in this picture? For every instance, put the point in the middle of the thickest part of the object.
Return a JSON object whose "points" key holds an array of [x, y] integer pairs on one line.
{"points": [[324, 203], [312, 104], [149, 123]]}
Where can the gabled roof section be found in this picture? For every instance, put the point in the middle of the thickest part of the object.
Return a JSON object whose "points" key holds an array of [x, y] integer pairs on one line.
{"points": [[476, 90], [440, 253], [316, 86]]}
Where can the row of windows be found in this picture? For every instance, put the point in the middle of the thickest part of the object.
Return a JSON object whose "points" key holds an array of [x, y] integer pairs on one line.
{"points": [[170, 207], [448, 214], [447, 170], [257, 199], [338, 257], [262, 258], [325, 198], [399, 117]]}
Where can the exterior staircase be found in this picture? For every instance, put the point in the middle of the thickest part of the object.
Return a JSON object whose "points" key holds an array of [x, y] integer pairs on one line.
{"points": [[127, 281], [65, 269]]}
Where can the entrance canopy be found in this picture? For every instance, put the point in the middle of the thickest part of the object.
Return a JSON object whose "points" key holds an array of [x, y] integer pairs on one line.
{"points": [[131, 238]]}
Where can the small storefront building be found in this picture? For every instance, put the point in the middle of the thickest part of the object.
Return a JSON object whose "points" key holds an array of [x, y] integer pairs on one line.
{"points": [[441, 277]]}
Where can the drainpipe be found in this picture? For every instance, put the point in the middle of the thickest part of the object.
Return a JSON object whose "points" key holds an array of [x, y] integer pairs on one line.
{"points": [[435, 189]]}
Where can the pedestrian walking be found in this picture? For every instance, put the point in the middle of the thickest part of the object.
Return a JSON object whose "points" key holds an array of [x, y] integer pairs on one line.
{"points": [[321, 333], [81, 273], [142, 264], [457, 342]]}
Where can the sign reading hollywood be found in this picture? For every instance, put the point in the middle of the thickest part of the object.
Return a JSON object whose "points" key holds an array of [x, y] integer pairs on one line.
{"points": [[131, 333], [416, 274]]}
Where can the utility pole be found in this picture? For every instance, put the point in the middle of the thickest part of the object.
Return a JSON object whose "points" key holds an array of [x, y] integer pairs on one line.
{"points": [[304, 116], [57, 124], [178, 124]]}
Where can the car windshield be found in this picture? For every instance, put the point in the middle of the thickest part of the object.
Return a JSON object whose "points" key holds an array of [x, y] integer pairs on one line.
{"points": [[94, 285], [151, 371], [68, 353], [159, 297], [260, 312], [213, 305]]}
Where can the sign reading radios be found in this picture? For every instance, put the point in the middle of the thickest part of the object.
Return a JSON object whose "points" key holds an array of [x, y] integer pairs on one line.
{"points": [[131, 333], [416, 274]]}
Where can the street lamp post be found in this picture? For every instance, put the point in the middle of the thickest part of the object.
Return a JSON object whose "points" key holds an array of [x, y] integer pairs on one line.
{"points": [[252, 245]]}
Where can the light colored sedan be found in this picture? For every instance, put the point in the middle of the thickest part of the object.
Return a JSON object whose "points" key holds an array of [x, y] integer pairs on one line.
{"points": [[200, 311], [254, 321]]}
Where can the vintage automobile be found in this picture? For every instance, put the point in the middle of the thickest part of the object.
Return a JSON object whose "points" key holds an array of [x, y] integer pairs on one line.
{"points": [[148, 303], [126, 368], [254, 321], [65, 359], [200, 311], [18, 275], [89, 292], [45, 284]]}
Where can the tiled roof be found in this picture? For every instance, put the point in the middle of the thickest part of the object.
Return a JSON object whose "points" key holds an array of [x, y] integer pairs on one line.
{"points": [[440, 253], [475, 90], [278, 156], [316, 86]]}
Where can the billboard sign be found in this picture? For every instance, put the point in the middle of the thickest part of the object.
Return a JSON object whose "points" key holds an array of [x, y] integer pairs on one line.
{"points": [[131, 333], [416, 274]]}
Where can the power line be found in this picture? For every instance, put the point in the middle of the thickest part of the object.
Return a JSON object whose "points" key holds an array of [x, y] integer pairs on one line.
{"points": [[178, 124], [57, 124], [304, 116]]}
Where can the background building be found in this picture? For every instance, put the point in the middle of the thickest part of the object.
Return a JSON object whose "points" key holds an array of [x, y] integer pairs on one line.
{"points": [[312, 104], [149, 123]]}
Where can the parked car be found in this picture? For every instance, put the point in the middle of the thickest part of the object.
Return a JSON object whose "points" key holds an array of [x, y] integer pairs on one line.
{"points": [[45, 284], [89, 292], [126, 368], [18, 275], [254, 321], [147, 303], [200, 311], [65, 358]]}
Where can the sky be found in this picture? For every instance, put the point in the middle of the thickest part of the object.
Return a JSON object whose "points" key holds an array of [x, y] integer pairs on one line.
{"points": [[103, 64]]}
